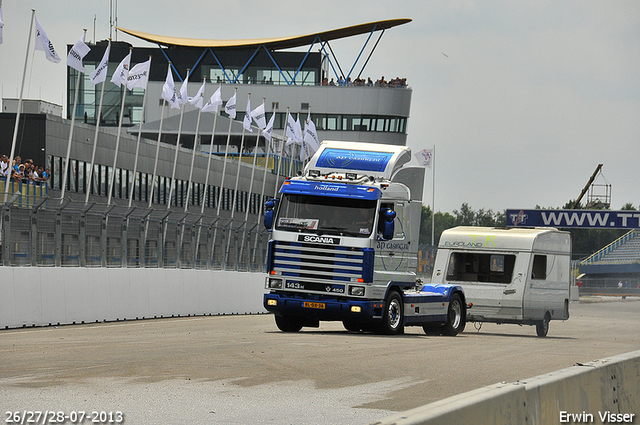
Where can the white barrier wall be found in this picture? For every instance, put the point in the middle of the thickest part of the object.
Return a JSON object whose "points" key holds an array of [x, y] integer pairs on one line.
{"points": [[42, 296], [587, 393]]}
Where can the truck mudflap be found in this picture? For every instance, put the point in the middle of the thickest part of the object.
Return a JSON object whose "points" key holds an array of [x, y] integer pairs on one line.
{"points": [[324, 308]]}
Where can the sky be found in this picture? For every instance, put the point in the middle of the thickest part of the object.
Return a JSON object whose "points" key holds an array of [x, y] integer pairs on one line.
{"points": [[521, 99]]}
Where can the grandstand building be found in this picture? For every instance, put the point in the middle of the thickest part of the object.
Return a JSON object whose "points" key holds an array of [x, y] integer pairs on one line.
{"points": [[615, 269]]}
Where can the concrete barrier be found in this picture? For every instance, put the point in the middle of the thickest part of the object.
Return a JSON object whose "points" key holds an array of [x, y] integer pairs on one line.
{"points": [[603, 391], [42, 296]]}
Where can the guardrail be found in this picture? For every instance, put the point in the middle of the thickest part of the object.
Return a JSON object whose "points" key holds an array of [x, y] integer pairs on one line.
{"points": [[602, 391], [42, 232]]}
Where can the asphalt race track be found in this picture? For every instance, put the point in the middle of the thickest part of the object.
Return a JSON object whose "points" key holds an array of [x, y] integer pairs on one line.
{"points": [[242, 370]]}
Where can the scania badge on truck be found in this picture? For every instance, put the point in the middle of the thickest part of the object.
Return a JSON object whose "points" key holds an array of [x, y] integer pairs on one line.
{"points": [[344, 242]]}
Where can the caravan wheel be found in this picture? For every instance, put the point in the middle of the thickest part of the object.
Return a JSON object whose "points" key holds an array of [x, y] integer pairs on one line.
{"points": [[542, 327]]}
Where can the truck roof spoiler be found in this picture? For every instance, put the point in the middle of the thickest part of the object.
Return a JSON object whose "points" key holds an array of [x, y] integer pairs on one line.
{"points": [[371, 159]]}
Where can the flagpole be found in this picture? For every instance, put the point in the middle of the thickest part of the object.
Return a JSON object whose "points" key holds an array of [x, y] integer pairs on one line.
{"points": [[264, 174], [132, 187], [253, 172], [73, 120], [433, 196], [235, 189], [206, 178], [224, 166], [15, 128], [253, 169], [175, 158], [294, 147], [284, 138], [261, 199], [193, 156], [95, 137], [115, 158], [155, 164]]}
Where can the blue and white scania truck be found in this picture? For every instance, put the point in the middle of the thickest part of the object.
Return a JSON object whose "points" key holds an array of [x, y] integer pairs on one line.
{"points": [[344, 242]]}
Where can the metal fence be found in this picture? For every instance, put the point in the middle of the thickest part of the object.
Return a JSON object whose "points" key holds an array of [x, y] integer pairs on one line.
{"points": [[72, 234]]}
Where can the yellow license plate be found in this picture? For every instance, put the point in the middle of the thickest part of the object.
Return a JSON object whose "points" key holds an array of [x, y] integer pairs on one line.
{"points": [[313, 305]]}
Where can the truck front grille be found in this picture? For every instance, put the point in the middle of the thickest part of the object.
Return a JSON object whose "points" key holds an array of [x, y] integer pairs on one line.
{"points": [[322, 263]]}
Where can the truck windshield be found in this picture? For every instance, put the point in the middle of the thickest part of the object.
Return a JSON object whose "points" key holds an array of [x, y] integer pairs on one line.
{"points": [[326, 215]]}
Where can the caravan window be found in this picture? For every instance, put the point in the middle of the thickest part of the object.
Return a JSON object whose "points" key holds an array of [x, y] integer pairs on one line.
{"points": [[539, 269], [480, 267]]}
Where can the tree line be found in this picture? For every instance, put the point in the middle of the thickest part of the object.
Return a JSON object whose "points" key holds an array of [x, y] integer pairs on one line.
{"points": [[585, 241]]}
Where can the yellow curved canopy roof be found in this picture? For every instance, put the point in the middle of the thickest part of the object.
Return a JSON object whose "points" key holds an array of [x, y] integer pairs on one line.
{"points": [[277, 43]]}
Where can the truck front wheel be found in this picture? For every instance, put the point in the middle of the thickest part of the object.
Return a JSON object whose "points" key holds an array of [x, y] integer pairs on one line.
{"points": [[288, 323], [393, 315], [456, 317]]}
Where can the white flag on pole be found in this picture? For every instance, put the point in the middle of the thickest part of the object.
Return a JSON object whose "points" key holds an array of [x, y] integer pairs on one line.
{"points": [[310, 136], [293, 132], [259, 116], [99, 75], [121, 73], [297, 129], [198, 99], [214, 102], [183, 96], [139, 75], [77, 53], [269, 129], [230, 107], [169, 91], [1, 25], [43, 43], [246, 122], [425, 157]]}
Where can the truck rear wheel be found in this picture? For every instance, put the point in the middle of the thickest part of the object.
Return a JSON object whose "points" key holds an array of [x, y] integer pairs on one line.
{"points": [[288, 323], [542, 327], [456, 317], [393, 315]]}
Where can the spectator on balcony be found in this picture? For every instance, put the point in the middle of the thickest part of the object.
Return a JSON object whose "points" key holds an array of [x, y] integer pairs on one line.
{"points": [[18, 175], [45, 175], [16, 163], [4, 166]]}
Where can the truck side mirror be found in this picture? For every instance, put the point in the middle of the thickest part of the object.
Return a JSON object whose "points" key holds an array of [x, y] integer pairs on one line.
{"points": [[269, 207], [387, 217]]}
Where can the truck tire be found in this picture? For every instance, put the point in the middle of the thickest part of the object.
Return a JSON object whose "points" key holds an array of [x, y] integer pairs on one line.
{"points": [[456, 317], [288, 324], [393, 315], [432, 330], [351, 326], [542, 327]]}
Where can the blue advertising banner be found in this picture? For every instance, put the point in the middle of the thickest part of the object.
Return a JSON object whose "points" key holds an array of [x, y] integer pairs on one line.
{"points": [[593, 219], [354, 160]]}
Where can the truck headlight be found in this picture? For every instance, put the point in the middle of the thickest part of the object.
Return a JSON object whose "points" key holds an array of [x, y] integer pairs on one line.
{"points": [[275, 283], [357, 291]]}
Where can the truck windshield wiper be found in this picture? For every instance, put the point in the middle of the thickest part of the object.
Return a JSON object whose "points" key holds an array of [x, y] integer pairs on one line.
{"points": [[339, 230]]}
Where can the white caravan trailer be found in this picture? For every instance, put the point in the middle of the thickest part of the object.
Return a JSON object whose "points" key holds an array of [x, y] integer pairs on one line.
{"points": [[516, 275]]}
